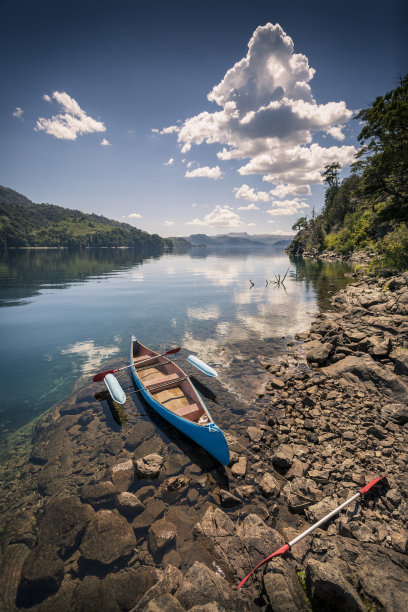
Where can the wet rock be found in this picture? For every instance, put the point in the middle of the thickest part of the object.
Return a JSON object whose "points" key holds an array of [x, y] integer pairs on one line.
{"points": [[154, 509], [167, 583], [138, 433], [161, 533], [108, 538], [129, 504], [12, 562], [269, 486], [122, 475], [63, 524], [400, 357], [329, 590], [254, 434], [283, 588], [398, 413], [129, 586], [164, 602], [94, 594], [41, 575], [239, 468], [99, 495], [320, 353], [149, 466], [201, 586], [177, 483], [228, 500], [283, 457]]}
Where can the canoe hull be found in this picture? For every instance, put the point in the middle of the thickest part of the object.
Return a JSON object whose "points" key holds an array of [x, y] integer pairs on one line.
{"points": [[209, 436]]}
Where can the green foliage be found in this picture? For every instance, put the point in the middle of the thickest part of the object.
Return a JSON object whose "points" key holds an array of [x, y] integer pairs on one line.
{"points": [[24, 224], [300, 223], [394, 249], [331, 174], [383, 159]]}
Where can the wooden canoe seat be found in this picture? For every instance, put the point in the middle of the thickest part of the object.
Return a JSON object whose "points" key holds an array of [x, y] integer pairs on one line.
{"points": [[192, 412], [162, 380], [145, 358]]}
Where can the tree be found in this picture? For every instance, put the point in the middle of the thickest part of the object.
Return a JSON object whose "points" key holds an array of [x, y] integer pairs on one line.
{"points": [[383, 159], [300, 223], [331, 174]]}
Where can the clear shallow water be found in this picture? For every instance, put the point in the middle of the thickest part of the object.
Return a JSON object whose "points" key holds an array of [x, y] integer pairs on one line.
{"points": [[66, 315]]}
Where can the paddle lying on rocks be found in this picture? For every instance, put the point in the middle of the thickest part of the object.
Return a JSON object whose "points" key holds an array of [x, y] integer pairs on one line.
{"points": [[283, 549], [102, 375]]}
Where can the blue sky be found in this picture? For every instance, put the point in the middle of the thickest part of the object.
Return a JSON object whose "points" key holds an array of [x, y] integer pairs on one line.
{"points": [[160, 110]]}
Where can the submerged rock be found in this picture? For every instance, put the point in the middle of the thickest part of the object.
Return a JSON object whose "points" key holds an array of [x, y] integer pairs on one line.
{"points": [[149, 466], [161, 533], [108, 538]]}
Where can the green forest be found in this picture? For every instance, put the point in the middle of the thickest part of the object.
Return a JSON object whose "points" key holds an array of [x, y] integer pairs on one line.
{"points": [[25, 224], [368, 210]]}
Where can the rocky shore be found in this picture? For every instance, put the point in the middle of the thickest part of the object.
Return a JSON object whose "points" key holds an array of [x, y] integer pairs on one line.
{"points": [[125, 516]]}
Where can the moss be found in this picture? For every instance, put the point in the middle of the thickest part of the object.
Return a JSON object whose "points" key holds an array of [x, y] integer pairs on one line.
{"points": [[302, 579]]}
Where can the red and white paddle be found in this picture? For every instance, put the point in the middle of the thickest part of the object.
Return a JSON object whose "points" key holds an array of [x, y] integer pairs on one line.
{"points": [[283, 549]]}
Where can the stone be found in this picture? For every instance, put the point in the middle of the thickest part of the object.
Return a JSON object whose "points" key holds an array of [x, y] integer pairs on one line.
{"points": [[329, 590], [164, 602], [277, 383], [161, 533], [101, 494], [246, 491], [149, 466], [254, 434], [108, 538], [239, 468], [167, 582], [317, 511], [228, 500], [320, 353], [129, 504], [283, 589], [269, 486], [398, 413], [379, 347], [94, 595], [122, 475], [154, 509], [176, 483], [64, 523], [301, 493], [201, 586], [283, 456], [138, 434], [41, 575], [400, 357]]}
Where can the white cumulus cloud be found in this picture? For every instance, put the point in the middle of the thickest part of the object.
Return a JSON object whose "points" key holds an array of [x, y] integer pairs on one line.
{"points": [[204, 171], [135, 216], [267, 118], [47, 98], [71, 122], [286, 207], [18, 113], [169, 163], [251, 206], [169, 223], [219, 217], [105, 143], [249, 193]]}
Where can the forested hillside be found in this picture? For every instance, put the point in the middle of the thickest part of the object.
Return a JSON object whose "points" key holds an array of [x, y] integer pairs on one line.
{"points": [[369, 209], [23, 223]]}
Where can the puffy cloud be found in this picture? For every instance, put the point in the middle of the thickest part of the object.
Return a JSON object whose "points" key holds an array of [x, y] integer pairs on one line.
{"points": [[219, 217], [249, 193], [251, 224], [47, 98], [135, 216], [69, 123], [105, 143], [286, 207], [169, 163], [268, 116], [171, 129], [249, 207], [204, 171], [169, 223], [18, 113]]}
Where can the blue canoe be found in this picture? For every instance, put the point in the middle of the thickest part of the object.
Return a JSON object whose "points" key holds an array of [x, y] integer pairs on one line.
{"points": [[169, 391]]}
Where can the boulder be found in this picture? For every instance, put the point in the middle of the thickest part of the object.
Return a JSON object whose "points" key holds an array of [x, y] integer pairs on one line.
{"points": [[129, 504], [400, 357], [283, 589], [283, 457], [108, 538], [41, 575], [149, 466], [398, 413], [122, 475], [99, 495], [329, 590], [161, 533], [228, 500], [320, 353], [379, 347], [269, 486], [167, 583]]}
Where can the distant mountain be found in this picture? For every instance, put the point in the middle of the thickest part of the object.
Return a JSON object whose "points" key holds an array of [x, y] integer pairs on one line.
{"points": [[239, 240], [25, 224]]}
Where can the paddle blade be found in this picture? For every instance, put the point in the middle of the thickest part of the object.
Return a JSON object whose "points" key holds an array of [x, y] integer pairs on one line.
{"points": [[101, 375], [203, 367], [172, 351]]}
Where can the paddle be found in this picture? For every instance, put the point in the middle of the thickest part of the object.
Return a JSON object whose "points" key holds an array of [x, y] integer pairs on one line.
{"points": [[203, 367], [101, 375]]}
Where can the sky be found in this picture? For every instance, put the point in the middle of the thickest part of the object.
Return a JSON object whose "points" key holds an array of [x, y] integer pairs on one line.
{"points": [[190, 117]]}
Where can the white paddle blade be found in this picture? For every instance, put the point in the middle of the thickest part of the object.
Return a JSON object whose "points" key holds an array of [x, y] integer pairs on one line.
{"points": [[203, 367], [115, 390]]}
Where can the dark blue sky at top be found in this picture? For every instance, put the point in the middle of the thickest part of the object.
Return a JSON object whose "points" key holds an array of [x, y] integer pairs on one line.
{"points": [[142, 65]]}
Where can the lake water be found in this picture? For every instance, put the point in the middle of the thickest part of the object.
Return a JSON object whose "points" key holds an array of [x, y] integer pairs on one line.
{"points": [[66, 315]]}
